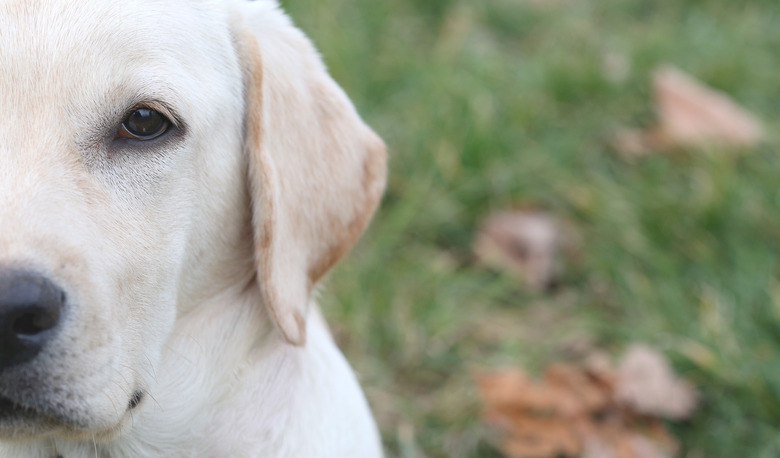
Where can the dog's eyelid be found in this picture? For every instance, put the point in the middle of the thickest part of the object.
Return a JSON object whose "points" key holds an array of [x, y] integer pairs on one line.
{"points": [[159, 107]]}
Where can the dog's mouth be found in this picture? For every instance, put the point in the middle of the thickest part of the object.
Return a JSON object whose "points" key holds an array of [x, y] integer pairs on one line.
{"points": [[11, 410], [17, 420], [20, 422]]}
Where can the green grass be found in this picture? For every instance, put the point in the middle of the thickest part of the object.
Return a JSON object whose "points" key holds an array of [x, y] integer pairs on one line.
{"points": [[490, 104]]}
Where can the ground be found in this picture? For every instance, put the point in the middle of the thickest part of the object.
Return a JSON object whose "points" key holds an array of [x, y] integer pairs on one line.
{"points": [[495, 104]]}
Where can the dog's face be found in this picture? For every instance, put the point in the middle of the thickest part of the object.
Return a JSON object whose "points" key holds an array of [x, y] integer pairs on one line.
{"points": [[153, 153]]}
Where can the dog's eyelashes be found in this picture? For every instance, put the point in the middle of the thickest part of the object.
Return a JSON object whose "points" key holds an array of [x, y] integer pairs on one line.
{"points": [[143, 124]]}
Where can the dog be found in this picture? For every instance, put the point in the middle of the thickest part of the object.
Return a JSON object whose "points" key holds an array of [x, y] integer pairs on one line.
{"points": [[176, 177]]}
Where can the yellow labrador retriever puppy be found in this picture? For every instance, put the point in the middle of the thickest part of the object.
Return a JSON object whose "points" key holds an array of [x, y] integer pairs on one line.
{"points": [[175, 178]]}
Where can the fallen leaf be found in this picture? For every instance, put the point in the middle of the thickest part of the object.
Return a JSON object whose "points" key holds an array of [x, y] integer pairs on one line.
{"points": [[594, 411], [646, 382], [690, 114], [593, 394], [642, 447], [541, 437], [523, 243], [512, 391], [623, 444]]}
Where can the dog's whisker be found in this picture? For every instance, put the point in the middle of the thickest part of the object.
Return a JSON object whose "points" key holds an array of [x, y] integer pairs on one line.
{"points": [[151, 396], [111, 400], [151, 371]]}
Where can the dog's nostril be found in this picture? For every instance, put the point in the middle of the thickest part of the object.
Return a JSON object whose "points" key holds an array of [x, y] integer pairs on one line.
{"points": [[30, 306], [34, 322]]}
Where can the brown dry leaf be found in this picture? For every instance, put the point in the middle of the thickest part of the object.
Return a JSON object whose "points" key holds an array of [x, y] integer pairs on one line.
{"points": [[513, 391], [591, 412], [642, 447], [524, 243], [690, 114], [591, 393], [541, 437], [624, 444], [646, 382], [539, 419]]}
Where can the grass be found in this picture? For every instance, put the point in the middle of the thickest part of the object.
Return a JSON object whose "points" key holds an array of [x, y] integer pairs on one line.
{"points": [[487, 105]]}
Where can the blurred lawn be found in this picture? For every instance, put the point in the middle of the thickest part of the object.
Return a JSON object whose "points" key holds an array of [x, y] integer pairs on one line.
{"points": [[493, 103]]}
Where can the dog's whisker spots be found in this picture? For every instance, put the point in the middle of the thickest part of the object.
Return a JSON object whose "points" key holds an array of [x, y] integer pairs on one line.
{"points": [[136, 399]]}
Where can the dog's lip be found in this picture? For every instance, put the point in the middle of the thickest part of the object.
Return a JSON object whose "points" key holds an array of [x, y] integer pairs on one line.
{"points": [[11, 408], [19, 419], [7, 404], [12, 412], [21, 422]]}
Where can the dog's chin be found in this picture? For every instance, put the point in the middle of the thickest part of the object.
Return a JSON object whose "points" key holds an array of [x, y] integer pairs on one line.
{"points": [[20, 423]]}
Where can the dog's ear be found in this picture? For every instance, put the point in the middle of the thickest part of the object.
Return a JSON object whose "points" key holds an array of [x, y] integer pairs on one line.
{"points": [[316, 171]]}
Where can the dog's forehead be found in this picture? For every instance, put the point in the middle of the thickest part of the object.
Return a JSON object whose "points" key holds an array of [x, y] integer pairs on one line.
{"points": [[53, 47]]}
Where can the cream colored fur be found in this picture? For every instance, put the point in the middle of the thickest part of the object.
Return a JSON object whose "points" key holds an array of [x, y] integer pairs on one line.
{"points": [[189, 262]]}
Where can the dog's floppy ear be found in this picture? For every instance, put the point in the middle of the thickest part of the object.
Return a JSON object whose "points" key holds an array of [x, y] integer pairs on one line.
{"points": [[316, 171]]}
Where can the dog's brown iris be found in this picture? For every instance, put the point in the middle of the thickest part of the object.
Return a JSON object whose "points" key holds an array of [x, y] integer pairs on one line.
{"points": [[143, 124]]}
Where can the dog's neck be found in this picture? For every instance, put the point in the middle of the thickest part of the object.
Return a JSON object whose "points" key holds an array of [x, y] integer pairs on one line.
{"points": [[210, 358]]}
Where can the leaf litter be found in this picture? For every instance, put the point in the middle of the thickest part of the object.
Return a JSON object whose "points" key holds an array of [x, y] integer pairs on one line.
{"points": [[523, 243], [592, 410], [690, 115]]}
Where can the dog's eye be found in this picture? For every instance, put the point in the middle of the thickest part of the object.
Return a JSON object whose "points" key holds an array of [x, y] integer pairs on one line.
{"points": [[143, 124]]}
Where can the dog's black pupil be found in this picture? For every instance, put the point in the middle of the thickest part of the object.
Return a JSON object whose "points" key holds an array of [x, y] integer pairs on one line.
{"points": [[145, 122]]}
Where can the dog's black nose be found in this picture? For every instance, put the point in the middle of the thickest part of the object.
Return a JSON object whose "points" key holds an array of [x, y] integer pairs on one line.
{"points": [[30, 308]]}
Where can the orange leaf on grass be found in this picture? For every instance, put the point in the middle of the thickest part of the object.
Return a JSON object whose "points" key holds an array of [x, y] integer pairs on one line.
{"points": [[647, 383], [690, 114], [523, 243], [591, 412]]}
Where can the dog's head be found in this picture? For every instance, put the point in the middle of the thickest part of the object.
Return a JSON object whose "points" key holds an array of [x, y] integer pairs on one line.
{"points": [[153, 154]]}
